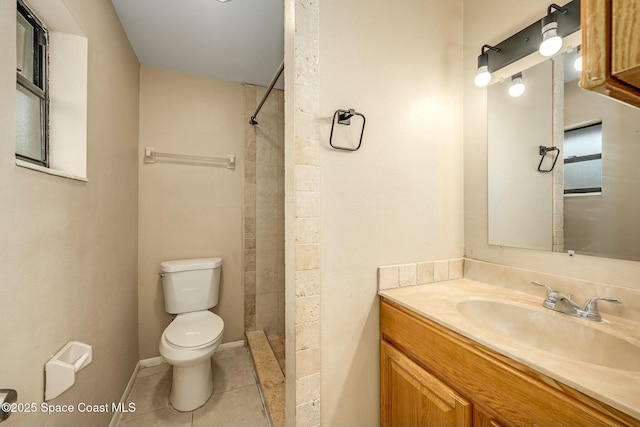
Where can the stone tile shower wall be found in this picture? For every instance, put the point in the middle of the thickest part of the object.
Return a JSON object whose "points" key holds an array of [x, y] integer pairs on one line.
{"points": [[264, 213], [249, 222], [270, 214], [302, 213]]}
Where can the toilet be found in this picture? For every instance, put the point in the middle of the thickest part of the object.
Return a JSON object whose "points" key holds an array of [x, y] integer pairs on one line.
{"points": [[190, 288]]}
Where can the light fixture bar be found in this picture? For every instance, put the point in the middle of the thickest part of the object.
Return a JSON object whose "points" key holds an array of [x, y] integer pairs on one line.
{"points": [[552, 6], [528, 40]]}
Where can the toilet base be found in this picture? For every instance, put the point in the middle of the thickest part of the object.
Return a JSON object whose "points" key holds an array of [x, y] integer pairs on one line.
{"points": [[192, 386]]}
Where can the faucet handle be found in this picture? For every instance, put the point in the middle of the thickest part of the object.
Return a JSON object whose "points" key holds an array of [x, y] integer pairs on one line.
{"points": [[591, 306], [551, 294], [590, 310]]}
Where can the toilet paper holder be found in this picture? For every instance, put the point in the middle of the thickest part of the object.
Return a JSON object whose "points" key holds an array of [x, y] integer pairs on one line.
{"points": [[60, 370]]}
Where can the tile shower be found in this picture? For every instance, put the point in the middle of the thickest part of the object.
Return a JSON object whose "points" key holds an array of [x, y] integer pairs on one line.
{"points": [[264, 214], [264, 242]]}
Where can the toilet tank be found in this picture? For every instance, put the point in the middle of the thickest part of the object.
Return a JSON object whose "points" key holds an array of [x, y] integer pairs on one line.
{"points": [[190, 284]]}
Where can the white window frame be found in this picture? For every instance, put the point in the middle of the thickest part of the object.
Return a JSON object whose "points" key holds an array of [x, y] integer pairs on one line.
{"points": [[68, 60]]}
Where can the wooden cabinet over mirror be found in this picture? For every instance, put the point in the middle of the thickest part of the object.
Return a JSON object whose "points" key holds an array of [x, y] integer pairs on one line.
{"points": [[611, 48]]}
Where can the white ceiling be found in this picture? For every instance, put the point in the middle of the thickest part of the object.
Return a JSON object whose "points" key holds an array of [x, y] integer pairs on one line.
{"points": [[241, 40]]}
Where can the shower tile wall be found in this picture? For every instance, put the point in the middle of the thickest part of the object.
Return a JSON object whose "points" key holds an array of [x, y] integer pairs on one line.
{"points": [[249, 244], [264, 213], [270, 213]]}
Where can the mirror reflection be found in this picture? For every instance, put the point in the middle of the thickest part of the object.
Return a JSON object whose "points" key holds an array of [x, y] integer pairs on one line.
{"points": [[589, 201]]}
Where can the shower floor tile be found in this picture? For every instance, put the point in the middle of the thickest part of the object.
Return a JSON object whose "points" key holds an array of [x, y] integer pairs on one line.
{"points": [[235, 400], [270, 376], [277, 345]]}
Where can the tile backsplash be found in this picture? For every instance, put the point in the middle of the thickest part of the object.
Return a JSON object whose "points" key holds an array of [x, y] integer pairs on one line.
{"points": [[419, 273]]}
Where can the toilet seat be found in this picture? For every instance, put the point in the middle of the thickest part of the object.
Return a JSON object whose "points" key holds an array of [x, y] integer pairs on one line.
{"points": [[195, 330]]}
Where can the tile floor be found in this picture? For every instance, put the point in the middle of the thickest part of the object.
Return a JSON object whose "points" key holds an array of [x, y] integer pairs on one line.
{"points": [[235, 401]]}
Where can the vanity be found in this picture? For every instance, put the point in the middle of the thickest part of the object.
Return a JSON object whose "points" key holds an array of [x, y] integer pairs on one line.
{"points": [[465, 353]]}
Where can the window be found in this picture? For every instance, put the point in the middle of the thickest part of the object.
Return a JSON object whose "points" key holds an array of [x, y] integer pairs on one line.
{"points": [[583, 159], [51, 107], [32, 98]]}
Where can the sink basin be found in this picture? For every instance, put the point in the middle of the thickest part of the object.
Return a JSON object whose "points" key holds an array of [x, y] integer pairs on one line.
{"points": [[567, 337]]}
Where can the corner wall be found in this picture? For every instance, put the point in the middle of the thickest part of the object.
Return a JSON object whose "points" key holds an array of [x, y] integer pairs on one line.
{"points": [[69, 248], [190, 210]]}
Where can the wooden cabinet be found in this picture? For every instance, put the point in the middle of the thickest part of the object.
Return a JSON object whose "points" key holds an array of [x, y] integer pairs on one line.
{"points": [[484, 419], [414, 397], [625, 41], [432, 376], [611, 48]]}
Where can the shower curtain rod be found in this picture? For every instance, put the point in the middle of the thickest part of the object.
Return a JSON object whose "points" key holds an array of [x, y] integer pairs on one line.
{"points": [[253, 120]]}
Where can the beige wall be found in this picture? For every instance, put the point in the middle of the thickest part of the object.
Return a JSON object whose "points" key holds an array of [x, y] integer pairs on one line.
{"points": [[187, 210], [481, 26], [399, 198], [69, 248]]}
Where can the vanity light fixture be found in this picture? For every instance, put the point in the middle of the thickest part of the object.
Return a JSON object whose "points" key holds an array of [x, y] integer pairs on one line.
{"points": [[483, 77], [517, 85], [577, 64], [558, 23], [551, 41]]}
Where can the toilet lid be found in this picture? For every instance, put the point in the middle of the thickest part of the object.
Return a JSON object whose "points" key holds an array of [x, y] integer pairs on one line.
{"points": [[195, 329]]}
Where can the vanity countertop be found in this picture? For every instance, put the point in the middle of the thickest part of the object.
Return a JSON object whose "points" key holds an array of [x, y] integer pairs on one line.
{"points": [[438, 301]]}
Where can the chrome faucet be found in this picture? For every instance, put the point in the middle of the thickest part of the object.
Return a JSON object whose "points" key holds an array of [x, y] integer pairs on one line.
{"points": [[564, 304], [567, 305]]}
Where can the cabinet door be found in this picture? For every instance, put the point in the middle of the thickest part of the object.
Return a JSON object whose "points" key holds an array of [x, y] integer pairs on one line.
{"points": [[625, 41], [611, 48], [483, 419], [410, 396]]}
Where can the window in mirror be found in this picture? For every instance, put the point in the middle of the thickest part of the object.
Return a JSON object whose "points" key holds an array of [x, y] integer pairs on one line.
{"points": [[583, 159]]}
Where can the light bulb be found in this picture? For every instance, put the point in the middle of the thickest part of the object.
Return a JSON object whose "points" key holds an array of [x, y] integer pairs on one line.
{"points": [[517, 86], [551, 42], [551, 45], [578, 63], [483, 77]]}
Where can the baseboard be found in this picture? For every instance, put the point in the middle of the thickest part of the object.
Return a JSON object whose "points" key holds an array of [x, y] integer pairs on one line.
{"points": [[152, 361], [117, 415], [155, 361], [232, 344]]}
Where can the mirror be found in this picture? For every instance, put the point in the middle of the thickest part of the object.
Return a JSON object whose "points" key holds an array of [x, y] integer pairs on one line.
{"points": [[589, 202]]}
